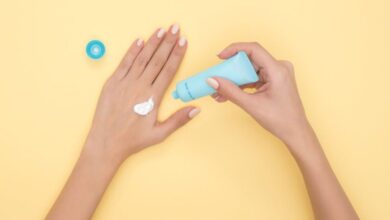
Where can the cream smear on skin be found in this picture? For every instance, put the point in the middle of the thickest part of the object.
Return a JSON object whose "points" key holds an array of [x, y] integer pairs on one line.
{"points": [[144, 108]]}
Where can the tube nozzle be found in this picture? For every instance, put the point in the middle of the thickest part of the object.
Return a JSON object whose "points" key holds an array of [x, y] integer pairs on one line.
{"points": [[175, 94]]}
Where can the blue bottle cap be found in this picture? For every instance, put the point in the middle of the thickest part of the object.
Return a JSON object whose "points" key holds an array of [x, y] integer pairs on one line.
{"points": [[95, 49]]}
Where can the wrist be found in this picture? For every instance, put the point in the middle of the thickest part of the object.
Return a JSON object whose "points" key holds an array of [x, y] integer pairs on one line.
{"points": [[304, 145], [95, 150]]}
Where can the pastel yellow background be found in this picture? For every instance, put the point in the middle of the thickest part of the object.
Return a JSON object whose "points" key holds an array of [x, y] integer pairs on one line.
{"points": [[222, 165]]}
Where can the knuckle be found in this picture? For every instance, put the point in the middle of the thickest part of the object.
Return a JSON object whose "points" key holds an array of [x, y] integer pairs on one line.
{"points": [[161, 136], [286, 67], [178, 122], [157, 62], [141, 61], [178, 52], [255, 44], [132, 54], [232, 46], [170, 68], [287, 64], [180, 119]]}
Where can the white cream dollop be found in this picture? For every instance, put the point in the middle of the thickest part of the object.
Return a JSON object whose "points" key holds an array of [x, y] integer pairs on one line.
{"points": [[144, 108]]}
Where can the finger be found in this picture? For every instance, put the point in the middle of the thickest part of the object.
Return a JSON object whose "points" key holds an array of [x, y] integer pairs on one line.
{"points": [[128, 59], [177, 120], [229, 90], [215, 95], [250, 85], [259, 56], [146, 54], [246, 86], [221, 99], [169, 70], [161, 55], [218, 97]]}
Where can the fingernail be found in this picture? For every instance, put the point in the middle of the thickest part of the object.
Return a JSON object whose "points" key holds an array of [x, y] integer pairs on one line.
{"points": [[213, 83], [175, 28], [182, 41], [139, 42], [194, 112], [160, 33]]}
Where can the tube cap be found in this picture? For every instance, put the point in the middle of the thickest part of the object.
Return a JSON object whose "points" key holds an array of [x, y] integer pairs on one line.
{"points": [[175, 94], [95, 49]]}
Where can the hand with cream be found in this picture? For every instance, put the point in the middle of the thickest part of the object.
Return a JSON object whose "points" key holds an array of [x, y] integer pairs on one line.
{"points": [[126, 115], [125, 120], [277, 107]]}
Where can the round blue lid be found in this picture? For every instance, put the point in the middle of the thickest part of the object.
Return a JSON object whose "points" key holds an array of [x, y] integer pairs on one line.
{"points": [[95, 49]]}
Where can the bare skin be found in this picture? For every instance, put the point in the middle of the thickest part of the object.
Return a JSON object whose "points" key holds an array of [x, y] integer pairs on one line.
{"points": [[117, 132], [146, 71], [277, 107]]}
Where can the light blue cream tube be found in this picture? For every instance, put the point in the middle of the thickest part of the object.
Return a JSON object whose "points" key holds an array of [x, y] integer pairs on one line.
{"points": [[237, 69]]}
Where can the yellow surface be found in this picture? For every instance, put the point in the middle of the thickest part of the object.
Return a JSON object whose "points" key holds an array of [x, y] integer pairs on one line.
{"points": [[222, 165]]}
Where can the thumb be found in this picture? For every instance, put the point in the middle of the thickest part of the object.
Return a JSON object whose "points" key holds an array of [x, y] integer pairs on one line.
{"points": [[229, 90], [177, 120]]}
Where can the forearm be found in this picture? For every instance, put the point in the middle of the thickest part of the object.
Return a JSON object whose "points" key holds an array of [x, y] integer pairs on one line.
{"points": [[328, 199], [85, 187]]}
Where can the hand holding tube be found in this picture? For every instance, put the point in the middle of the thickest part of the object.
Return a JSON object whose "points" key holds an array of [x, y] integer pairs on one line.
{"points": [[276, 104]]}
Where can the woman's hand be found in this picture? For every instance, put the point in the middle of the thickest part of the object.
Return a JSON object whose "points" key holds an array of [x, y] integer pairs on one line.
{"points": [[275, 104], [117, 131], [277, 107], [145, 71]]}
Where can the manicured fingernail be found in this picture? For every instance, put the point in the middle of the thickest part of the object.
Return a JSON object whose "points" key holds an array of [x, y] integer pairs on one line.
{"points": [[213, 83], [140, 42], [182, 41], [160, 33], [175, 28], [194, 112]]}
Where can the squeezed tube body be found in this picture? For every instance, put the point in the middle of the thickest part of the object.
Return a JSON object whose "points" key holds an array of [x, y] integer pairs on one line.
{"points": [[237, 69]]}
